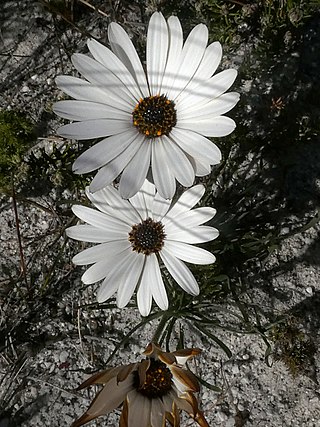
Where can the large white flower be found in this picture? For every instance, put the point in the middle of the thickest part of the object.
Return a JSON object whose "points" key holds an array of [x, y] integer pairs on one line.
{"points": [[158, 119], [133, 236]]}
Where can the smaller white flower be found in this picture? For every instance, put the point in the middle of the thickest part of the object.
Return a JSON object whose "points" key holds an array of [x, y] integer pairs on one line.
{"points": [[134, 235]]}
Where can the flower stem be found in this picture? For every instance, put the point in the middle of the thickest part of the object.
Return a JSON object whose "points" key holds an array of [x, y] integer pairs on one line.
{"points": [[160, 329]]}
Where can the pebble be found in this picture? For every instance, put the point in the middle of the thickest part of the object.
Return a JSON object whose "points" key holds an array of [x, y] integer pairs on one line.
{"points": [[235, 370], [33, 392], [64, 355], [221, 416], [309, 290], [241, 408]]}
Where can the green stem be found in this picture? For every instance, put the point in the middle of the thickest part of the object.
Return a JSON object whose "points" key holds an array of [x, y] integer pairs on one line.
{"points": [[131, 332], [160, 328]]}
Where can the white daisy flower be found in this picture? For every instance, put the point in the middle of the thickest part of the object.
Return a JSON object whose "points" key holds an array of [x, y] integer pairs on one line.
{"points": [[134, 235], [159, 119]]}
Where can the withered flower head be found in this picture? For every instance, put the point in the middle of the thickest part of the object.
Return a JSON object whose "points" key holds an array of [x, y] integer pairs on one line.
{"points": [[152, 391]]}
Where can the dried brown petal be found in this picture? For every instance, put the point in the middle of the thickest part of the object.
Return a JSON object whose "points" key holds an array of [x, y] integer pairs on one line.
{"points": [[188, 402], [125, 371], [108, 399], [187, 352], [142, 371], [174, 416], [99, 378], [167, 358], [187, 378], [152, 350]]}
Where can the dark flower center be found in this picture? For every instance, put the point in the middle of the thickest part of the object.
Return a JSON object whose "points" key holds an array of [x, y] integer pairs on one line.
{"points": [[155, 116], [147, 237], [158, 380]]}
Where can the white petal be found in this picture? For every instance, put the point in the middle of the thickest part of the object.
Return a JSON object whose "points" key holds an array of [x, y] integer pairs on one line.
{"points": [[101, 77], [91, 255], [191, 55], [157, 286], [213, 108], [162, 175], [122, 46], [87, 233], [106, 290], [210, 61], [175, 48], [201, 167], [90, 129], [214, 127], [208, 65], [180, 272], [142, 201], [108, 200], [157, 51], [186, 201], [160, 207], [196, 145], [101, 220], [83, 90], [111, 170], [200, 234], [124, 276], [134, 174], [189, 253], [188, 220], [107, 58], [178, 162], [103, 152], [144, 295], [207, 90], [100, 252], [128, 275], [87, 110], [100, 269]]}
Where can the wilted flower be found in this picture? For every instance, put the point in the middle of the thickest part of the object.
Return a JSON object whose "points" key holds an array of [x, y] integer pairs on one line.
{"points": [[152, 391], [159, 119], [134, 234]]}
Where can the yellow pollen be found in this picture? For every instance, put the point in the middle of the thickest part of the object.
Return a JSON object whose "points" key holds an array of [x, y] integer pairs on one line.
{"points": [[158, 380]]}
